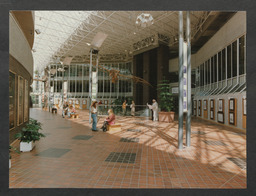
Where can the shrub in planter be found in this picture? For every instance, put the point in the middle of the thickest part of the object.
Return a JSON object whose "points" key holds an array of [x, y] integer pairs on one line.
{"points": [[10, 157], [29, 134], [165, 102]]}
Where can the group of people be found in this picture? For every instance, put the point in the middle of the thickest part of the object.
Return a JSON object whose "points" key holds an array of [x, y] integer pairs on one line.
{"points": [[132, 106], [110, 120], [68, 110]]}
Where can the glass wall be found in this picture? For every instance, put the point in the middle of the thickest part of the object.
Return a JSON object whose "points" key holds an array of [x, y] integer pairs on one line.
{"points": [[224, 64], [26, 102], [12, 83], [78, 79], [20, 100]]}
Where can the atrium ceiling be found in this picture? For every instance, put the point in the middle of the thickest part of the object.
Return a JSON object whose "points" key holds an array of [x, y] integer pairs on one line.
{"points": [[61, 34]]}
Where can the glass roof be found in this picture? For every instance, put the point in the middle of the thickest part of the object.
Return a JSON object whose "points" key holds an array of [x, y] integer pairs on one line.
{"points": [[55, 27], [59, 34]]}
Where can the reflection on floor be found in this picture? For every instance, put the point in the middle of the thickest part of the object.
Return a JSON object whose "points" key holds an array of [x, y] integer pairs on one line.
{"points": [[73, 156]]}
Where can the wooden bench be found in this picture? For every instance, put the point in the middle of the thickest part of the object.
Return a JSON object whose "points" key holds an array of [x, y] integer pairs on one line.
{"points": [[115, 127], [74, 115]]}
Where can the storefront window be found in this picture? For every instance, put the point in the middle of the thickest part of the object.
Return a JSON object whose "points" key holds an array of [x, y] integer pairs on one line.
{"points": [[241, 55], [11, 99], [223, 55], [26, 102], [219, 67], [215, 68], [20, 100], [229, 61], [234, 58]]}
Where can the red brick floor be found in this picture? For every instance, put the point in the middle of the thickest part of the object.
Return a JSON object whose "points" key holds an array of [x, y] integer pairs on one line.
{"points": [[158, 164]]}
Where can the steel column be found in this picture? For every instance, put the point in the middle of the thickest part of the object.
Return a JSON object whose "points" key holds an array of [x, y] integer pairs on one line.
{"points": [[188, 122], [90, 86], [180, 134]]}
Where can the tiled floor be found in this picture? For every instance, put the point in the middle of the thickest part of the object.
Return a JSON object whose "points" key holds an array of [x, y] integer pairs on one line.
{"points": [[72, 156]]}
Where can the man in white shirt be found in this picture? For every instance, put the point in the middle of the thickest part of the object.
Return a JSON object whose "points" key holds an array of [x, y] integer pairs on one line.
{"points": [[154, 108]]}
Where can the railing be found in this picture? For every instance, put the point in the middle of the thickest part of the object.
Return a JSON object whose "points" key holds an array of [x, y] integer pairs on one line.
{"points": [[140, 110]]}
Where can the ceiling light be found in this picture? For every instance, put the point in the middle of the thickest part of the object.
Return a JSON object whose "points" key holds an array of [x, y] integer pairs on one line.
{"points": [[134, 33], [144, 20], [88, 44]]}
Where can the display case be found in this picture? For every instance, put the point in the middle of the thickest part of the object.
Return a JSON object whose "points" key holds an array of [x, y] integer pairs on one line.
{"points": [[26, 102], [199, 107], [244, 112], [220, 117], [232, 111], [205, 108], [20, 100], [194, 107], [221, 110], [212, 109]]}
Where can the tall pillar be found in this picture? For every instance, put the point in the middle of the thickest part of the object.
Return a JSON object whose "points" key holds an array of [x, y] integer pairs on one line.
{"points": [[90, 86], [180, 133], [188, 120]]}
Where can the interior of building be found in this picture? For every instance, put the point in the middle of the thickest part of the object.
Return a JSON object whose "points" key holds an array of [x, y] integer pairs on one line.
{"points": [[76, 57]]}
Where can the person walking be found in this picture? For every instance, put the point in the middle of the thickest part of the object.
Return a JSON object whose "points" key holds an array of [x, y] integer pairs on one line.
{"points": [[110, 120], [132, 106], [124, 107], [154, 108], [94, 115]]}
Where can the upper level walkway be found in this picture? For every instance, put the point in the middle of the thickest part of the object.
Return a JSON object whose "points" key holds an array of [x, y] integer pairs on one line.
{"points": [[144, 154]]}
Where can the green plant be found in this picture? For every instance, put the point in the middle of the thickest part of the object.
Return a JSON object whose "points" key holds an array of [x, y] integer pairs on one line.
{"points": [[14, 149], [30, 132], [165, 96]]}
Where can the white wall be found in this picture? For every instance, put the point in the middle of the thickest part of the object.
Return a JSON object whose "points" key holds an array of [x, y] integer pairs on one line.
{"points": [[19, 47]]}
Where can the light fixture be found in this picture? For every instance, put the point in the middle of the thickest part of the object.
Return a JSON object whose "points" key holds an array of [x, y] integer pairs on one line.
{"points": [[144, 20], [37, 31], [134, 33], [88, 44]]}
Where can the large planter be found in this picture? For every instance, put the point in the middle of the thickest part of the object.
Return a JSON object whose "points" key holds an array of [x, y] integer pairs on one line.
{"points": [[26, 147], [166, 116]]}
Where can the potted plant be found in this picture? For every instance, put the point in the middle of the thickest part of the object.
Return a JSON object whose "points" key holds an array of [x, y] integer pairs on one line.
{"points": [[165, 102], [29, 134], [10, 157]]}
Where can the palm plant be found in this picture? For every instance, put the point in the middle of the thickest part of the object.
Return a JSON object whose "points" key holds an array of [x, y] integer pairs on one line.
{"points": [[165, 96]]}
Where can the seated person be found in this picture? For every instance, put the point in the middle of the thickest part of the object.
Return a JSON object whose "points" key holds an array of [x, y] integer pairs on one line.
{"points": [[54, 109], [110, 120], [65, 110], [71, 111]]}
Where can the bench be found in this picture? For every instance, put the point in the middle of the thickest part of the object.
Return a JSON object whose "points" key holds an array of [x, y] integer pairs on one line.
{"points": [[74, 115], [115, 127]]}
